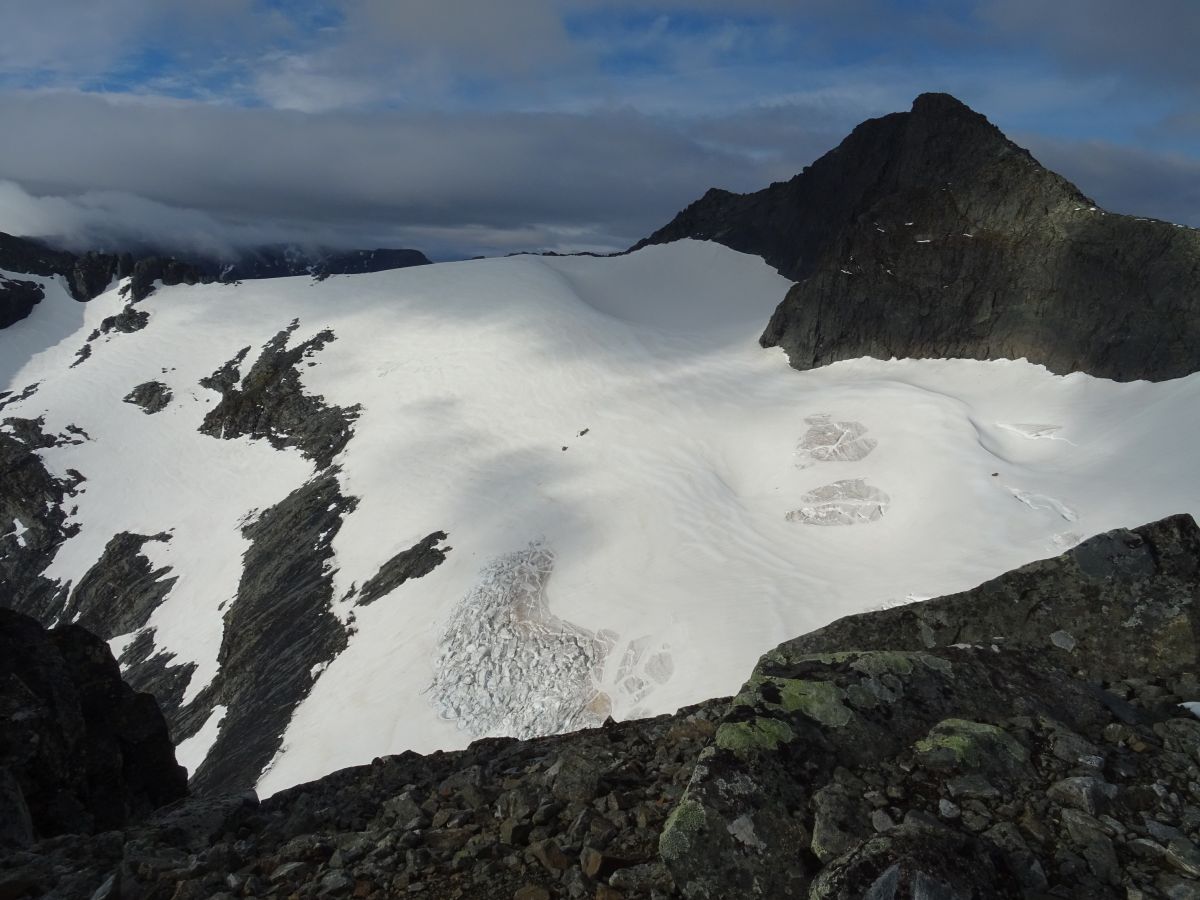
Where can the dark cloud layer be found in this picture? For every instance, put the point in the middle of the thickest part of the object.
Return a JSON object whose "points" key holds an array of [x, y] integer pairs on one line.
{"points": [[600, 180], [464, 127]]}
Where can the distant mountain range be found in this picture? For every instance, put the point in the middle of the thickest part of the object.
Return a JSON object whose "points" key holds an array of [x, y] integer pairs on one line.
{"points": [[88, 274]]}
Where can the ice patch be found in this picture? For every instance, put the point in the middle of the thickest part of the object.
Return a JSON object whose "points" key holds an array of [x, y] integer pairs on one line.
{"points": [[1041, 501], [830, 441], [190, 753], [851, 502], [507, 666], [641, 670], [18, 531]]}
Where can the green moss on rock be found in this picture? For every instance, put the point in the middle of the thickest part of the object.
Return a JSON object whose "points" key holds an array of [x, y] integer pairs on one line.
{"points": [[685, 821], [819, 700], [754, 735], [961, 743]]}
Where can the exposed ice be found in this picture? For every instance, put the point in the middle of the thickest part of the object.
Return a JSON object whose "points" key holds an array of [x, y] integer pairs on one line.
{"points": [[641, 670], [506, 665], [1041, 501], [830, 441], [18, 532], [851, 502], [190, 753]]}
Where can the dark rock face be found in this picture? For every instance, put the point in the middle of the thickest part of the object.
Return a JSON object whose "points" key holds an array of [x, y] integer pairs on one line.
{"points": [[17, 300], [86, 276], [119, 593], [127, 321], [929, 234], [275, 262], [270, 403], [420, 559], [168, 270], [22, 255], [34, 520], [151, 396], [155, 673], [277, 630], [80, 752]]}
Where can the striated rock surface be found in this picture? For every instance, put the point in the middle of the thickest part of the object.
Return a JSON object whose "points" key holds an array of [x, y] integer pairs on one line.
{"points": [[997, 743], [34, 520], [415, 562], [930, 234], [278, 632], [80, 752], [119, 593], [269, 402]]}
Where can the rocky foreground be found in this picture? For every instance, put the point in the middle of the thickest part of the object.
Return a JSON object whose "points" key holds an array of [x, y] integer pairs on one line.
{"points": [[1023, 739]]}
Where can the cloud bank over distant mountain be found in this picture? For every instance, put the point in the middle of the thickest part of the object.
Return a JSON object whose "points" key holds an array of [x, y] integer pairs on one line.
{"points": [[464, 127]]}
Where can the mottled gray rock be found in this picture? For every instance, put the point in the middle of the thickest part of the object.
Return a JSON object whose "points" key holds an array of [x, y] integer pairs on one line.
{"points": [[269, 403], [152, 671], [151, 396], [959, 698]]}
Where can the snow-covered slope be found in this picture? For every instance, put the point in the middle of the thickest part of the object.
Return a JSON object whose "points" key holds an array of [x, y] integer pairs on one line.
{"points": [[639, 500]]}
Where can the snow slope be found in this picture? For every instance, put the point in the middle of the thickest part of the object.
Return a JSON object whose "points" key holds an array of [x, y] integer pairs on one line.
{"points": [[640, 500]]}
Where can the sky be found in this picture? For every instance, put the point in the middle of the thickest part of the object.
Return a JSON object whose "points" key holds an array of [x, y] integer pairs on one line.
{"points": [[471, 127]]}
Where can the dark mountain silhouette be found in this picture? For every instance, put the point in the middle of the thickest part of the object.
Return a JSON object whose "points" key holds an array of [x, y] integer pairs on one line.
{"points": [[930, 234]]}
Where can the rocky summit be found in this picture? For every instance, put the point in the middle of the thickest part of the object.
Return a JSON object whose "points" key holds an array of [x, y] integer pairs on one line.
{"points": [[929, 234], [1023, 739]]}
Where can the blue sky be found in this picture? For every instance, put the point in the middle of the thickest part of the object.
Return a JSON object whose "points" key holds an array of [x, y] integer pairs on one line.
{"points": [[463, 127]]}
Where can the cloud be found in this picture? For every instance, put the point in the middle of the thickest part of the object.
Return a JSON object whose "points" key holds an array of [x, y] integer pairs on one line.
{"points": [[466, 127], [606, 178], [1155, 40]]}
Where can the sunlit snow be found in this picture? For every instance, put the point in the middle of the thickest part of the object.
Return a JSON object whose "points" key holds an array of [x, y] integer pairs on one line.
{"points": [[615, 418]]}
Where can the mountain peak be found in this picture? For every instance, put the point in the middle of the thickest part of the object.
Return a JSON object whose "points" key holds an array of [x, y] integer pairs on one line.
{"points": [[937, 103], [940, 141], [930, 233]]}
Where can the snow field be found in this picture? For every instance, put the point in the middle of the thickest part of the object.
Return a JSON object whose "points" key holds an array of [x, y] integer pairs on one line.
{"points": [[674, 562]]}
